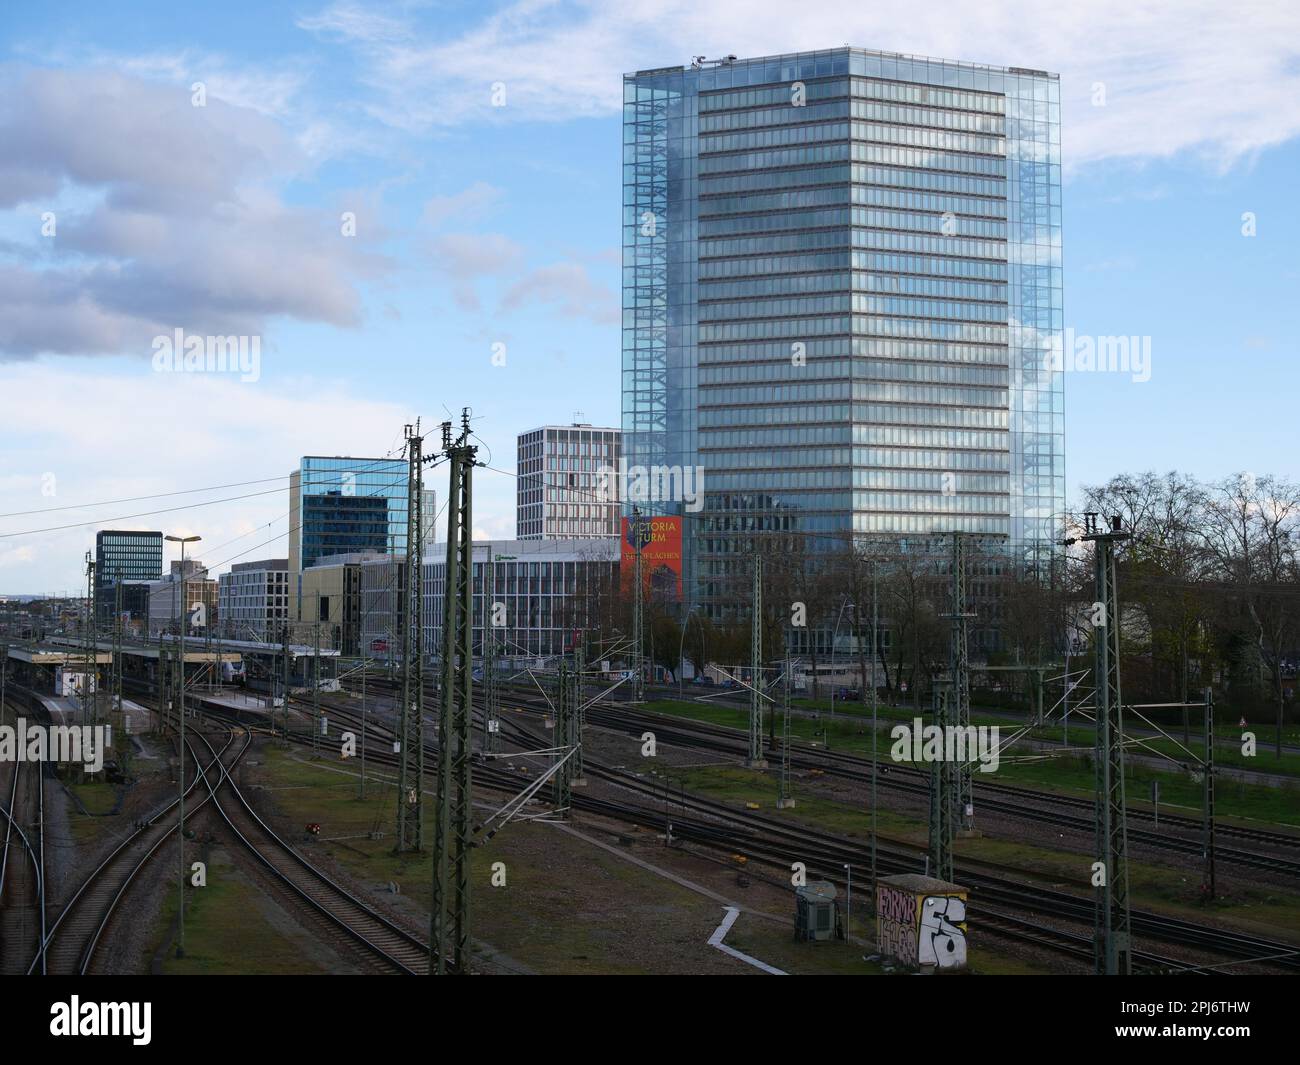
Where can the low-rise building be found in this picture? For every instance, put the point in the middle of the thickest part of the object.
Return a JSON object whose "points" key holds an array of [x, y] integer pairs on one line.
{"points": [[175, 596], [331, 599], [382, 583], [544, 591], [253, 600]]}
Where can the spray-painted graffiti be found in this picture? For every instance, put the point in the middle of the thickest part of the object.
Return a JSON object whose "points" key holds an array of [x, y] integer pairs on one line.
{"points": [[943, 932], [917, 929], [897, 923]]}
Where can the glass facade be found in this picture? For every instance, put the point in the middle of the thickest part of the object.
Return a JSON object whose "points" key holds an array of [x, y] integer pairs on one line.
{"points": [[345, 505], [841, 277], [549, 589], [342, 505], [128, 556]]}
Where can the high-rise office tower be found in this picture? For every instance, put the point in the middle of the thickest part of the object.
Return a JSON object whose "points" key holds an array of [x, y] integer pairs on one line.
{"points": [[842, 281], [568, 482], [129, 556]]}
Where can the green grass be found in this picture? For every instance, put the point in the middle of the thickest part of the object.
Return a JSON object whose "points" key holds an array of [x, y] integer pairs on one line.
{"points": [[97, 796], [1171, 890], [568, 907], [226, 932], [1227, 745], [1066, 773]]}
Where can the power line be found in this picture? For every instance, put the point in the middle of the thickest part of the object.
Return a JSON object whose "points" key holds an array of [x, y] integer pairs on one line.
{"points": [[169, 510], [137, 499]]}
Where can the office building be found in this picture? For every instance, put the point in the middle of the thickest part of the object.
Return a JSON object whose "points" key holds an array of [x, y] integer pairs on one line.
{"points": [[172, 600], [842, 280], [549, 589], [129, 556], [568, 484], [340, 505], [253, 600]]}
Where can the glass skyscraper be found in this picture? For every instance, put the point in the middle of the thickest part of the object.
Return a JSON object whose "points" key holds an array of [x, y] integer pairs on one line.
{"points": [[129, 556], [841, 283]]}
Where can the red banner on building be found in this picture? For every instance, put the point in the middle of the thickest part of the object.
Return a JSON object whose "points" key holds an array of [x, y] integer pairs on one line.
{"points": [[661, 556]]}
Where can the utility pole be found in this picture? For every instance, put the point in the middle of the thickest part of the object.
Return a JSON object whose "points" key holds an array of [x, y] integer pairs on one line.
{"points": [[565, 713], [315, 686], [638, 607], [365, 668], [450, 934], [284, 701], [942, 783], [163, 678], [578, 775], [89, 689], [1208, 814], [959, 670], [119, 716], [410, 726], [180, 761], [756, 759], [491, 697], [1112, 940], [784, 794], [875, 696]]}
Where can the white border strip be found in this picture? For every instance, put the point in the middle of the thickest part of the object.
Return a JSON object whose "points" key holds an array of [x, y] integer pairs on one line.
{"points": [[720, 933]]}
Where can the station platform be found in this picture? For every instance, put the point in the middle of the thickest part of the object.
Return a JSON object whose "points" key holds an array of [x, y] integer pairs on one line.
{"points": [[247, 702]]}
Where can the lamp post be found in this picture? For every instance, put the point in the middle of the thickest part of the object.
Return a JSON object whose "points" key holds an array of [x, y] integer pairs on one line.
{"points": [[681, 650], [180, 695], [835, 636]]}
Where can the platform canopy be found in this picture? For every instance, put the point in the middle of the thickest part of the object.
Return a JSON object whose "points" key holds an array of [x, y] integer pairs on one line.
{"points": [[45, 655], [195, 650]]}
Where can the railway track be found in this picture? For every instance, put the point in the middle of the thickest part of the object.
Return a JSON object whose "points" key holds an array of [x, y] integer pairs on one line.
{"points": [[1008, 800], [75, 937], [773, 842], [386, 944], [22, 871]]}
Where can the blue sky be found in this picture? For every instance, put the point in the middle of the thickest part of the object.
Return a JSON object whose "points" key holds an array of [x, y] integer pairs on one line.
{"points": [[478, 225]]}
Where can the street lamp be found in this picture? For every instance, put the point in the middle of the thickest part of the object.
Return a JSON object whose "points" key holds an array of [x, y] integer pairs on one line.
{"points": [[180, 830], [681, 650], [835, 636]]}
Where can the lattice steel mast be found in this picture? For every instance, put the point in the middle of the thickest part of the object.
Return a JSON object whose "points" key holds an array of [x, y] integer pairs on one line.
{"points": [[1112, 936], [410, 721], [943, 774], [756, 669], [638, 608], [450, 934], [959, 676]]}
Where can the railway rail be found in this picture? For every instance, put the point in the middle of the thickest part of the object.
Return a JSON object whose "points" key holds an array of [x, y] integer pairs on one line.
{"points": [[776, 843], [22, 870], [391, 947]]}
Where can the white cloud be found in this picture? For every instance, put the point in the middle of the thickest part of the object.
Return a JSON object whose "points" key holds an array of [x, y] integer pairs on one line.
{"points": [[183, 227], [464, 206], [140, 433], [1222, 80], [569, 288]]}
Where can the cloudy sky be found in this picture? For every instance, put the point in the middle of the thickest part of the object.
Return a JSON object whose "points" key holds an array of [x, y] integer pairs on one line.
{"points": [[337, 181]]}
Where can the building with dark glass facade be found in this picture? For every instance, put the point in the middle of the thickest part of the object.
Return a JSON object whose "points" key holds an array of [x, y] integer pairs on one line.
{"points": [[342, 505], [842, 275], [129, 556]]}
